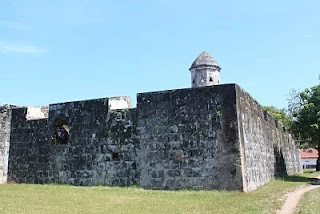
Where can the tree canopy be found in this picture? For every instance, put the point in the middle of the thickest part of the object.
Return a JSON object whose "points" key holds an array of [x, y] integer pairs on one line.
{"points": [[304, 108], [280, 115]]}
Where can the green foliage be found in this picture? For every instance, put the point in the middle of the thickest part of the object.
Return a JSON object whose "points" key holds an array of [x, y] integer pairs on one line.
{"points": [[280, 115], [305, 109]]}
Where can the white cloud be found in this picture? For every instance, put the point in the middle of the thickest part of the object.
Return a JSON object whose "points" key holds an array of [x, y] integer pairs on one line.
{"points": [[10, 48]]}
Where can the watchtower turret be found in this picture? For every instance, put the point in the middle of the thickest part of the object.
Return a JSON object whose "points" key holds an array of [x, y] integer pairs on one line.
{"points": [[205, 71]]}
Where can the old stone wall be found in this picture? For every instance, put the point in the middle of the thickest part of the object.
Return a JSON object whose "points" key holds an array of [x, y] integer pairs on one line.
{"points": [[214, 137], [267, 149], [29, 149], [5, 122], [101, 148], [189, 139]]}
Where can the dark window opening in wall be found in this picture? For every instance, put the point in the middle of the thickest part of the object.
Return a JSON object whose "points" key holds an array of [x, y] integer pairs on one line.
{"points": [[61, 131], [193, 81], [210, 80]]}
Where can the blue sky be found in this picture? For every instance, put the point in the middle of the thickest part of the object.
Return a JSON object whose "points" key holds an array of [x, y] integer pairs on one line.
{"points": [[65, 50]]}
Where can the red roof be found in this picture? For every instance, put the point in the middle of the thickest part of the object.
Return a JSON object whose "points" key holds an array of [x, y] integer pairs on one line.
{"points": [[308, 153]]}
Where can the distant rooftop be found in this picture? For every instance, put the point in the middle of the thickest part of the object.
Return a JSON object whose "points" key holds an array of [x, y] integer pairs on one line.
{"points": [[204, 59], [308, 153]]}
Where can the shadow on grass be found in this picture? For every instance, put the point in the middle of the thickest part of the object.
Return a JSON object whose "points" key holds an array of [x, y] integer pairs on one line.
{"points": [[309, 171], [296, 178]]}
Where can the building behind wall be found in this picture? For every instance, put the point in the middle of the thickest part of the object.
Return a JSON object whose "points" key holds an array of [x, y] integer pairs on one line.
{"points": [[309, 158], [210, 136]]}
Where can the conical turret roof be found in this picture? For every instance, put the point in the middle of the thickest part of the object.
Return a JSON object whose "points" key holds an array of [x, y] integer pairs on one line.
{"points": [[204, 59]]}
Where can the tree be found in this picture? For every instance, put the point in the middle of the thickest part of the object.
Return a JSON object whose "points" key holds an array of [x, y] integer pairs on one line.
{"points": [[280, 115], [304, 108]]}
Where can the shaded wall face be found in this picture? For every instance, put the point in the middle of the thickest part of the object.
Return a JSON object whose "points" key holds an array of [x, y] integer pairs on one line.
{"points": [[29, 149], [101, 148], [5, 123], [102, 144], [267, 149], [189, 139]]}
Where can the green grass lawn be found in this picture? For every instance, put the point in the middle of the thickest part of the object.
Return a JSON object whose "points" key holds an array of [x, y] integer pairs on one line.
{"points": [[311, 173], [310, 203], [26, 198]]}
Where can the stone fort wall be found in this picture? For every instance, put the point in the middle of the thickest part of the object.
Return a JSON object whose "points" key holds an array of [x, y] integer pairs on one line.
{"points": [[188, 139], [267, 148], [5, 124], [213, 137], [29, 148], [101, 149]]}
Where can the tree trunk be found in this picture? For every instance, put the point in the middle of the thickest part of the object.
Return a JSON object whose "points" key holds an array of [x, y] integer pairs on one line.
{"points": [[318, 160]]}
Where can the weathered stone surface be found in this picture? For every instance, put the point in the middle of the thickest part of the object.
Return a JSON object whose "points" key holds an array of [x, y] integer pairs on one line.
{"points": [[5, 122], [101, 149], [204, 59], [188, 139], [29, 148], [123, 102], [205, 71], [267, 149], [37, 112], [214, 137]]}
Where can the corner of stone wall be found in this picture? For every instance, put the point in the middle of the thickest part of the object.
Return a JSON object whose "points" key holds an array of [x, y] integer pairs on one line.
{"points": [[267, 148], [5, 130], [188, 139], [241, 140], [19, 113]]}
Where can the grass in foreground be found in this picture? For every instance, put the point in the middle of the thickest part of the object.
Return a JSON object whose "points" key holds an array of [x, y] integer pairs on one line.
{"points": [[310, 203], [26, 198]]}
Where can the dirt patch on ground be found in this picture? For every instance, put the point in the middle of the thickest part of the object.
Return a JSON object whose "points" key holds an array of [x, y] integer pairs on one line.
{"points": [[293, 198]]}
